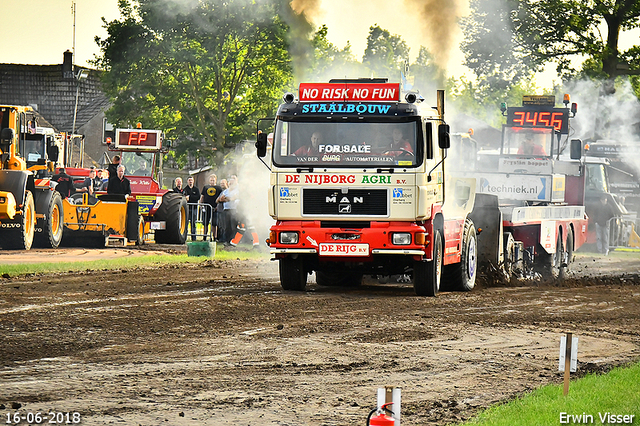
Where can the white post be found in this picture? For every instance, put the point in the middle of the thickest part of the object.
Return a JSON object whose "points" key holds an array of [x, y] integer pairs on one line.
{"points": [[391, 394]]}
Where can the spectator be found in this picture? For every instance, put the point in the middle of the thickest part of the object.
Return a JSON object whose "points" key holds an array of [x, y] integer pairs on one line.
{"points": [[229, 198], [65, 183], [100, 181], [220, 210], [119, 184], [193, 197], [177, 186], [601, 214], [113, 170], [88, 185], [210, 194]]}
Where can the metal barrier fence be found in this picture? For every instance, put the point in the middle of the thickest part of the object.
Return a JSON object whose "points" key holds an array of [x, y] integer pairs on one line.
{"points": [[197, 215]]}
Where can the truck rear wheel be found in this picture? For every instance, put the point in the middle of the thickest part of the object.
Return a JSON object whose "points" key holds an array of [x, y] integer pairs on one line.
{"points": [[338, 278], [462, 276], [550, 266], [427, 274], [21, 238], [173, 211], [293, 276], [51, 234]]}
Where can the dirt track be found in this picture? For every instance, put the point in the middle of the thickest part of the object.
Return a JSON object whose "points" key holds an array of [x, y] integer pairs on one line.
{"points": [[220, 343]]}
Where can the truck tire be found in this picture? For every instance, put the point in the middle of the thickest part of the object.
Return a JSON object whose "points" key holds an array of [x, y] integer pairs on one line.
{"points": [[570, 246], [173, 211], [338, 278], [427, 274], [462, 276], [292, 273], [51, 234], [549, 266], [21, 238]]}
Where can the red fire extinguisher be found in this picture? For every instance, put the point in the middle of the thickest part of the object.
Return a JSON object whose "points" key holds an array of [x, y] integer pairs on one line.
{"points": [[381, 419]]}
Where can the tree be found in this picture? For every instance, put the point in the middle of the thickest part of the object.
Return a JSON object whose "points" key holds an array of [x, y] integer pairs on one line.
{"points": [[328, 61], [426, 75], [200, 70], [385, 54], [507, 40]]}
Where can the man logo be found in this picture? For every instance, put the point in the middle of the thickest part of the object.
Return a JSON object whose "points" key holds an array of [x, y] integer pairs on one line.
{"points": [[284, 192], [397, 193], [344, 208]]}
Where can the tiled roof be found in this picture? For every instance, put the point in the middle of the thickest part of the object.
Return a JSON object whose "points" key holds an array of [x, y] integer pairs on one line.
{"points": [[50, 94]]}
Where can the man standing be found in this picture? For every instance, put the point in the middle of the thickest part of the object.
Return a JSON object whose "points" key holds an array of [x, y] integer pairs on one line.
{"points": [[193, 197], [601, 215], [120, 184], [210, 193], [230, 198], [65, 184]]}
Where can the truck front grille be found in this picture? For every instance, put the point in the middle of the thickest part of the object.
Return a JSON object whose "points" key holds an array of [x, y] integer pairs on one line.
{"points": [[353, 202]]}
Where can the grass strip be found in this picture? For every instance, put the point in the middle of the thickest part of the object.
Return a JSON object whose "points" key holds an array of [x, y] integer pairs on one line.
{"points": [[12, 270], [591, 400]]}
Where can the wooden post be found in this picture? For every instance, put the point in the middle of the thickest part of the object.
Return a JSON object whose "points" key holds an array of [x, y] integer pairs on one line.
{"points": [[567, 364]]}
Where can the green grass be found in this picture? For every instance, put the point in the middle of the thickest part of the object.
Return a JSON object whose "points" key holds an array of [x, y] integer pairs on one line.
{"points": [[617, 392], [124, 262]]}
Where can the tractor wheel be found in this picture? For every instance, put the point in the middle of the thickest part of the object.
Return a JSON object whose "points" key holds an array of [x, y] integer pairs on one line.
{"points": [[462, 276], [51, 234], [132, 227], [173, 211], [21, 237], [427, 274]]}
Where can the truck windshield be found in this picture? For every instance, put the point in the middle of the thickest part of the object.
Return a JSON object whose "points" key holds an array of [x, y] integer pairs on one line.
{"points": [[347, 144], [526, 141]]}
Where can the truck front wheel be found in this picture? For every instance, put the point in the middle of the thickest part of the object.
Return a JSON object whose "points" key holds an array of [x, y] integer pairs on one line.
{"points": [[293, 275], [21, 237], [462, 276], [427, 274]]}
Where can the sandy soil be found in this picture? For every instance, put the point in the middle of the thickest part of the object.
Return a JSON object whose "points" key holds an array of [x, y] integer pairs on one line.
{"points": [[219, 343]]}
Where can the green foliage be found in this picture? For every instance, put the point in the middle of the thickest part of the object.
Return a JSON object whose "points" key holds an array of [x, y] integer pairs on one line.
{"points": [[507, 40], [385, 54], [616, 393], [200, 70], [328, 61]]}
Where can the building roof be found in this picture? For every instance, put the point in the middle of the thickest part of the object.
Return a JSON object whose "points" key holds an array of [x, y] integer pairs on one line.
{"points": [[52, 93]]}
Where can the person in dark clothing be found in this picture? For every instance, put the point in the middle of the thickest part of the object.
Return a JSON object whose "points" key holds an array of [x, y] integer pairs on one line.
{"points": [[113, 170], [193, 197], [120, 184], [210, 194], [65, 183], [601, 213], [177, 188]]}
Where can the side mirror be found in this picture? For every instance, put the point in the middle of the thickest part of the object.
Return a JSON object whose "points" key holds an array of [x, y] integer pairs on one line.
{"points": [[444, 141], [261, 145], [576, 149]]}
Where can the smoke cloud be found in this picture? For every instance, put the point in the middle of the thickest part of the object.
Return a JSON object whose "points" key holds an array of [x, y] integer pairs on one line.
{"points": [[440, 26]]}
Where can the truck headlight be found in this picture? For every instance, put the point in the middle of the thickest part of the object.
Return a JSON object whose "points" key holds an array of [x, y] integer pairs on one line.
{"points": [[288, 237], [401, 238]]}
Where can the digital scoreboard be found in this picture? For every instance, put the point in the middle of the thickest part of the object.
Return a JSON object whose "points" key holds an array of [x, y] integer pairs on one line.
{"points": [[138, 139]]}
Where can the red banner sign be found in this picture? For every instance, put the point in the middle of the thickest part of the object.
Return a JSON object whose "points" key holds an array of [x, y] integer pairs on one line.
{"points": [[352, 92]]}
